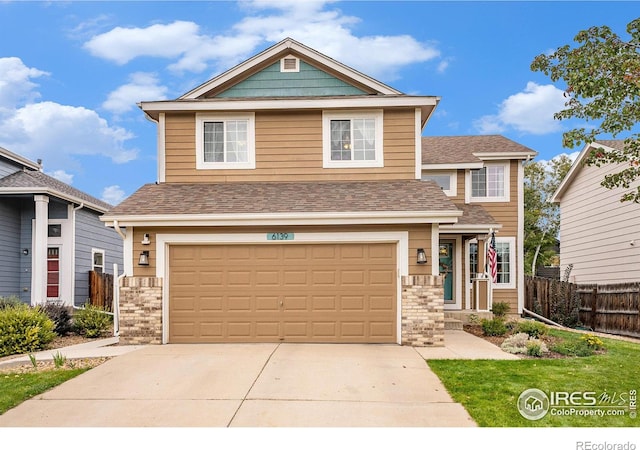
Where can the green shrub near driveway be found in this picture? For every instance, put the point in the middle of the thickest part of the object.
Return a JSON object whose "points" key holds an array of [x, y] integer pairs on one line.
{"points": [[24, 329], [91, 321]]}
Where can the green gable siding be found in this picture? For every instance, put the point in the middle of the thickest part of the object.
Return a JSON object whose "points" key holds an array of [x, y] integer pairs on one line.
{"points": [[270, 82]]}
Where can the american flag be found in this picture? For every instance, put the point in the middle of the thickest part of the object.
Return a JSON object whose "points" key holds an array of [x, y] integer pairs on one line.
{"points": [[492, 258]]}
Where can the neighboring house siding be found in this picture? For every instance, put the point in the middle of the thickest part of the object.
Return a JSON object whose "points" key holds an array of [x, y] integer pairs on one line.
{"points": [[7, 167], [10, 250], [419, 237], [289, 146], [596, 230], [92, 234], [27, 215], [271, 82]]}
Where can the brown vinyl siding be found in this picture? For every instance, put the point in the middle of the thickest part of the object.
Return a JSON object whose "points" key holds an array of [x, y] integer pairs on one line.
{"points": [[289, 146], [419, 237]]}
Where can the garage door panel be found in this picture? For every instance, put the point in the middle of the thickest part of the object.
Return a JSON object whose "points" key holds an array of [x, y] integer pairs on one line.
{"points": [[283, 292]]}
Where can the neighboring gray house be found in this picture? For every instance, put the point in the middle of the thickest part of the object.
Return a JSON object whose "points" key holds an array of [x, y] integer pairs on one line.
{"points": [[50, 236], [599, 235]]}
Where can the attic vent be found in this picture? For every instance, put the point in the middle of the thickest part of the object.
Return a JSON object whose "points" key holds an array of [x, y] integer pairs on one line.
{"points": [[289, 64]]}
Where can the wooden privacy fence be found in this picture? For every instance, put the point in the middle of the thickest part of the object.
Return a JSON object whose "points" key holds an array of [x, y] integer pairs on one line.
{"points": [[608, 308], [101, 290]]}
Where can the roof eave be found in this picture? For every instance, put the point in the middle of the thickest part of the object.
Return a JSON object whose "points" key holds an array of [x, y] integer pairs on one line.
{"points": [[310, 218], [53, 193], [487, 156], [471, 228]]}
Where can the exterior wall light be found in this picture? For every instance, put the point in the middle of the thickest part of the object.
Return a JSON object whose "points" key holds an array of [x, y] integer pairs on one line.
{"points": [[421, 257], [144, 259]]}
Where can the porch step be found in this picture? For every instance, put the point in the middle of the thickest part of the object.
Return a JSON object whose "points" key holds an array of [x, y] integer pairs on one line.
{"points": [[452, 324]]}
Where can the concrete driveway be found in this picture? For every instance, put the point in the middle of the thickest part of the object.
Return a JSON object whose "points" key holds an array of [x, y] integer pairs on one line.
{"points": [[250, 385]]}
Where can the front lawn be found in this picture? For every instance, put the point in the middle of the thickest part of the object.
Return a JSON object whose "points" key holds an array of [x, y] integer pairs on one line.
{"points": [[489, 389], [16, 387]]}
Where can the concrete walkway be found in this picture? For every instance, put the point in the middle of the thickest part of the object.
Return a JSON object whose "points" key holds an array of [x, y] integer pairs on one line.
{"points": [[255, 385]]}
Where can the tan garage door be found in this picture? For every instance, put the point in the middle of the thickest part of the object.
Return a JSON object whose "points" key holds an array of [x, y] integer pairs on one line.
{"points": [[278, 292]]}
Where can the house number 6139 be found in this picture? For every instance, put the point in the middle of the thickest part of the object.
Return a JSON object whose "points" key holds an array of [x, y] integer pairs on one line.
{"points": [[280, 236]]}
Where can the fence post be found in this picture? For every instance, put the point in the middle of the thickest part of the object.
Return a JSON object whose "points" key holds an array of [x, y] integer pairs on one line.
{"points": [[594, 307]]}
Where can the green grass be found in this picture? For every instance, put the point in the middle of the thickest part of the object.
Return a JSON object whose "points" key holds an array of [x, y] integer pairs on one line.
{"points": [[15, 388], [489, 390]]}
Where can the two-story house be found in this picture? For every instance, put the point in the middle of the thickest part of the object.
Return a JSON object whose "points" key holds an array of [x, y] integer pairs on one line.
{"points": [[50, 236], [295, 202]]}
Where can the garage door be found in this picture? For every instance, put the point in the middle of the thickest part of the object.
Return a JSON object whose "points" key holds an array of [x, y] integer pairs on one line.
{"points": [[282, 293]]}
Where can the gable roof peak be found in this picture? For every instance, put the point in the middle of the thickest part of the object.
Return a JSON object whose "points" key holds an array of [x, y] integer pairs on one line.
{"points": [[289, 46]]}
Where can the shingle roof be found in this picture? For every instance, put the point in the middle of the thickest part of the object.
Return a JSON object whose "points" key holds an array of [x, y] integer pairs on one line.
{"points": [[475, 215], [462, 149], [284, 197], [618, 144], [36, 180]]}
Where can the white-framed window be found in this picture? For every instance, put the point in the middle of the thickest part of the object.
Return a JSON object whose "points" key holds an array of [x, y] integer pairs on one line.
{"points": [[352, 139], [225, 141], [506, 263], [446, 179], [489, 184], [97, 260]]}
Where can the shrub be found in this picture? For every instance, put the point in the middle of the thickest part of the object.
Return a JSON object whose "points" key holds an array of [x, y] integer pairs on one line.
{"points": [[24, 330], [493, 327], [60, 316], [91, 321], [573, 347], [536, 348], [532, 328], [9, 302], [500, 309], [564, 302], [592, 341], [516, 344]]}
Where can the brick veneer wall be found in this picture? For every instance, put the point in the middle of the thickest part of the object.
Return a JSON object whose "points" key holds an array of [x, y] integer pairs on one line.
{"points": [[141, 310], [422, 311]]}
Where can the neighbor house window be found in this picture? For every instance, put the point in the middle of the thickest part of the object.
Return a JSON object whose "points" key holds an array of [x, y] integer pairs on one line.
{"points": [[489, 184], [97, 260], [352, 139], [447, 180], [53, 272], [225, 142]]}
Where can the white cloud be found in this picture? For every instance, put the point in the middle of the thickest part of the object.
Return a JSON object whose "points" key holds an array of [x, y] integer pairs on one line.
{"points": [[141, 86], [61, 175], [310, 22], [113, 194], [530, 111], [51, 131], [15, 83]]}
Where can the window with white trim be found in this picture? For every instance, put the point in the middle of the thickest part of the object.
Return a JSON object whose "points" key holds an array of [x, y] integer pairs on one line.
{"points": [[97, 260], [489, 184], [352, 139], [505, 252], [447, 180], [225, 141]]}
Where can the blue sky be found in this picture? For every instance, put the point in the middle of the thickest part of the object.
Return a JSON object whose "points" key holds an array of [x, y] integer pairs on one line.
{"points": [[71, 73]]}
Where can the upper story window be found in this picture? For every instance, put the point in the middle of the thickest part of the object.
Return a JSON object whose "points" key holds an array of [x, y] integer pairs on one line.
{"points": [[225, 141], [352, 139], [447, 180], [489, 184]]}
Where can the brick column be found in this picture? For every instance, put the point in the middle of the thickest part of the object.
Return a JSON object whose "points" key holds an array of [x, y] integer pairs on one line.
{"points": [[141, 310], [422, 310]]}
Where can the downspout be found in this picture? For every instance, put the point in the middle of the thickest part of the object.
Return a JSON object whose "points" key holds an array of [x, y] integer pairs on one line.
{"points": [[73, 252]]}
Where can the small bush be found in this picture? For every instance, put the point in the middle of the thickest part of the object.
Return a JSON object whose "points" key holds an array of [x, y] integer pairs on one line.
{"points": [[536, 348], [573, 347], [91, 321], [532, 328], [9, 302], [592, 341], [493, 327], [60, 316], [516, 344], [24, 330], [500, 309]]}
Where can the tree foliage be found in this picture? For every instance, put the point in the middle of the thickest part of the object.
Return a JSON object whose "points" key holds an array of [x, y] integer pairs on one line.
{"points": [[541, 217], [602, 76]]}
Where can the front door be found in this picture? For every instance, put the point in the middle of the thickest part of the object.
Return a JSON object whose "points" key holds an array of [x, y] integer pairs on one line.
{"points": [[447, 270]]}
